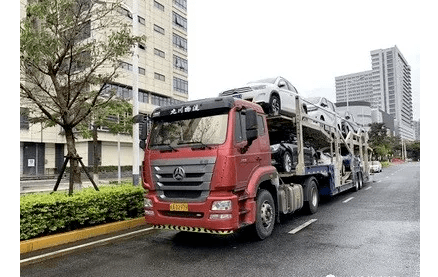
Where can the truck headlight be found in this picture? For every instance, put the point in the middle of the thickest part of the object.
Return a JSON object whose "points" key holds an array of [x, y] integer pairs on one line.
{"points": [[223, 205]]}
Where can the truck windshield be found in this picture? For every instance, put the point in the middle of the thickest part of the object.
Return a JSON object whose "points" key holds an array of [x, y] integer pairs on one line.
{"points": [[200, 131]]}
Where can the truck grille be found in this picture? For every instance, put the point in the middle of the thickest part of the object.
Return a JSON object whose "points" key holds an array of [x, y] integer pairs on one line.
{"points": [[183, 179], [236, 91]]}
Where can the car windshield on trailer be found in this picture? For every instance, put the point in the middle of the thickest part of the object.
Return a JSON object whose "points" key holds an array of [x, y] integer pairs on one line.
{"points": [[269, 80], [314, 100]]}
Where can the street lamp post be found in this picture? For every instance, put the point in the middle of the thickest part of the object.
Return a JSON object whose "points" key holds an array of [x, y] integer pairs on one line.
{"points": [[135, 128]]}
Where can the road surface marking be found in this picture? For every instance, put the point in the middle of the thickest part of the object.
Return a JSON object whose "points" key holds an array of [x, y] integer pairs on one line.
{"points": [[82, 245], [299, 228], [368, 188], [346, 200]]}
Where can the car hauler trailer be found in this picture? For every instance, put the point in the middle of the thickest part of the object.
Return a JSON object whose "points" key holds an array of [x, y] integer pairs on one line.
{"points": [[207, 166]]}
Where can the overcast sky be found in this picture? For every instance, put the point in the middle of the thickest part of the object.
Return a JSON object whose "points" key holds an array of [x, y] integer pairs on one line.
{"points": [[232, 42]]}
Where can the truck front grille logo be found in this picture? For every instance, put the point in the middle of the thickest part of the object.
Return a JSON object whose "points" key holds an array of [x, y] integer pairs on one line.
{"points": [[179, 173]]}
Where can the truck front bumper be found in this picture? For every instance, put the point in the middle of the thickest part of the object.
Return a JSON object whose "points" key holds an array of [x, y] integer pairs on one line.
{"points": [[194, 216]]}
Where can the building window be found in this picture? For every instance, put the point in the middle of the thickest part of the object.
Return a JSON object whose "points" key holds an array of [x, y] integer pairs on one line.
{"points": [[180, 42], [159, 53], [158, 100], [143, 96], [158, 6], [159, 76], [158, 29], [180, 63], [124, 92], [181, 4], [141, 71], [179, 21], [126, 66], [141, 20], [180, 85]]}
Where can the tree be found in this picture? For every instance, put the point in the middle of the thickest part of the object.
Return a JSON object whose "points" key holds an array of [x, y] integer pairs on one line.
{"points": [[382, 144], [69, 50], [114, 117]]}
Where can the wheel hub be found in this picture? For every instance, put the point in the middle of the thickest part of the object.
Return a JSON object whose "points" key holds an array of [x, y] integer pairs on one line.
{"points": [[266, 214]]}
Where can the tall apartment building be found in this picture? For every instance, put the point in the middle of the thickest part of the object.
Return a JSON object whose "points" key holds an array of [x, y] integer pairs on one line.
{"points": [[162, 76], [387, 86]]}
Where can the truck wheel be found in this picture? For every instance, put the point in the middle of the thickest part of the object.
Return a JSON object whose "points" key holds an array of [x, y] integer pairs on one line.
{"points": [[265, 217], [356, 183], [311, 189], [274, 105], [360, 180], [287, 162]]}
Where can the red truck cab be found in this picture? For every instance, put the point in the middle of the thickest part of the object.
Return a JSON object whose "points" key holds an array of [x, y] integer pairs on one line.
{"points": [[204, 162]]}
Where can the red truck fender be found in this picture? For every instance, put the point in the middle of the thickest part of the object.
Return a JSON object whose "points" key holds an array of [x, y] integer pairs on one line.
{"points": [[262, 175]]}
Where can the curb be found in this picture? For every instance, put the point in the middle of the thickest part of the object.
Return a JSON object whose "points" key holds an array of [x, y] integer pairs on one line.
{"points": [[64, 238]]}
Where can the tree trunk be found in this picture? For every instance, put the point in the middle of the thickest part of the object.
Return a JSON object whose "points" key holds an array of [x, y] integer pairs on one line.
{"points": [[74, 164], [96, 156]]}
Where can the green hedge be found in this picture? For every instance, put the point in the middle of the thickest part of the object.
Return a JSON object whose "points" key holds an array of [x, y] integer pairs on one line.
{"points": [[44, 214]]}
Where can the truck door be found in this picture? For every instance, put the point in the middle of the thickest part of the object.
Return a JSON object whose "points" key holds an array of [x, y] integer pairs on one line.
{"points": [[246, 161]]}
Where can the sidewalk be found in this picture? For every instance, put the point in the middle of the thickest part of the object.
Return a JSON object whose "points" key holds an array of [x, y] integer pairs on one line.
{"points": [[47, 185]]}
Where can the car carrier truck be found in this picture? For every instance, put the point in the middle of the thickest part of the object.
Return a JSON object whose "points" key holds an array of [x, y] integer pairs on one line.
{"points": [[207, 166]]}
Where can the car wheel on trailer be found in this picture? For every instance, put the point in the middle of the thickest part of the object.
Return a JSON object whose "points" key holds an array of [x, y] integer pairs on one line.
{"points": [[265, 216], [274, 105], [311, 191], [287, 162]]}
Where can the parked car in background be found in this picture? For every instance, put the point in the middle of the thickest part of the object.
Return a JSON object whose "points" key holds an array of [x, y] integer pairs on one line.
{"points": [[285, 158], [275, 95], [327, 114], [376, 166]]}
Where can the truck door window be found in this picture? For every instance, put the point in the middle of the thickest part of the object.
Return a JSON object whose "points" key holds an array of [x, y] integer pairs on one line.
{"points": [[260, 125], [240, 133]]}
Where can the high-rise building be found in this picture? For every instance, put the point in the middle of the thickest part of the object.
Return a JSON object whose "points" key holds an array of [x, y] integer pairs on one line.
{"points": [[387, 86], [392, 90], [162, 79]]}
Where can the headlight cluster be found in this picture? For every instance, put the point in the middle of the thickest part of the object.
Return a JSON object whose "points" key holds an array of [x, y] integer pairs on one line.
{"points": [[223, 205]]}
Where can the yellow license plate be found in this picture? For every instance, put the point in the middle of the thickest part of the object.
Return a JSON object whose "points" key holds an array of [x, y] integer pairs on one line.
{"points": [[179, 207]]}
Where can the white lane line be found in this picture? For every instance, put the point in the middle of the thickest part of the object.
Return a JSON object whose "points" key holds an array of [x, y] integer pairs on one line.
{"points": [[83, 245], [302, 226], [346, 200], [368, 188]]}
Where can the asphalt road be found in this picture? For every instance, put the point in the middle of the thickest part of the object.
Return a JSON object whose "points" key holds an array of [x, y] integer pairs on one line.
{"points": [[373, 232]]}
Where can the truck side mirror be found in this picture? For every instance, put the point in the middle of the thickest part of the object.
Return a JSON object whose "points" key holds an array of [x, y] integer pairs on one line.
{"points": [[251, 126], [142, 120]]}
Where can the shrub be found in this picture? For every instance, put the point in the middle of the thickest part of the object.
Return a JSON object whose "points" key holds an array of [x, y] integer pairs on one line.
{"points": [[43, 214]]}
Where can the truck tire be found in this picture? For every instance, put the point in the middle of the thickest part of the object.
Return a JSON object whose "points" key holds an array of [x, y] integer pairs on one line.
{"points": [[360, 180], [356, 183], [265, 216], [312, 195]]}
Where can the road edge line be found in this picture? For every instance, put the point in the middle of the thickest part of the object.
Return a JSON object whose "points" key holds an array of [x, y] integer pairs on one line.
{"points": [[47, 255]]}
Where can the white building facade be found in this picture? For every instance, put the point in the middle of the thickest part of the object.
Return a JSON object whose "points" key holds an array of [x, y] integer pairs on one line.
{"points": [[162, 79]]}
